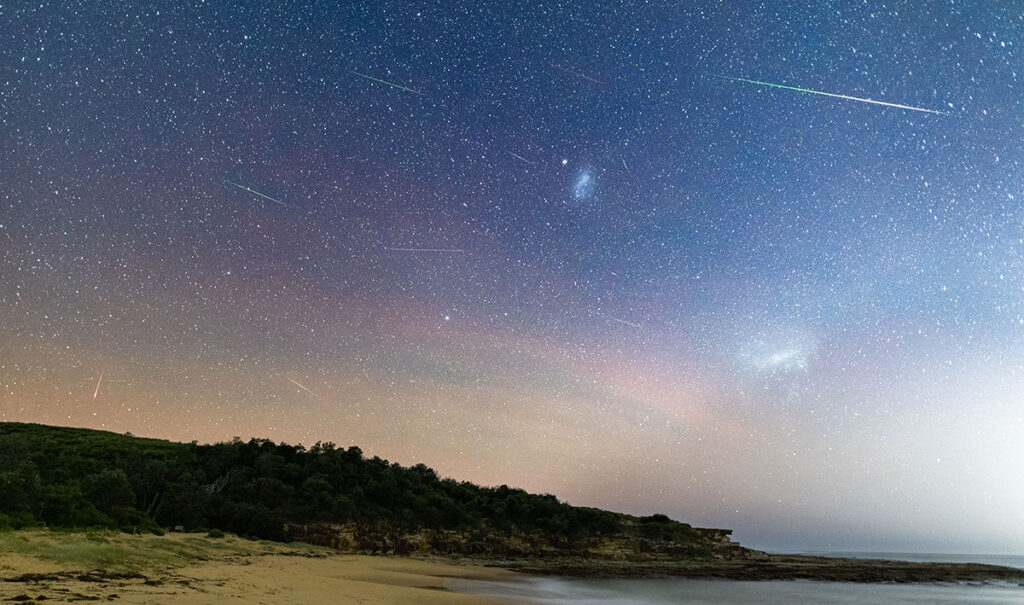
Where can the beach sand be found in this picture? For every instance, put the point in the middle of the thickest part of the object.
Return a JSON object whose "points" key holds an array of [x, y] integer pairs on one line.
{"points": [[227, 570]]}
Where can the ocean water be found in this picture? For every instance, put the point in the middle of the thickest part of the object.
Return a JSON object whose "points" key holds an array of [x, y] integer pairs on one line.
{"points": [[1005, 560], [563, 591]]}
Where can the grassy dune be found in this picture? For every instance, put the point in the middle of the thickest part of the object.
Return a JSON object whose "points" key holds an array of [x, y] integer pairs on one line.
{"points": [[118, 552], [110, 552]]}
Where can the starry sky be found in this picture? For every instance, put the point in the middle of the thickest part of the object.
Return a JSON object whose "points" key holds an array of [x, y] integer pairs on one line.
{"points": [[581, 248]]}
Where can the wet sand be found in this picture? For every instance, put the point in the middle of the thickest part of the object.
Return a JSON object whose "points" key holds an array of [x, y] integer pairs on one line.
{"points": [[777, 567]]}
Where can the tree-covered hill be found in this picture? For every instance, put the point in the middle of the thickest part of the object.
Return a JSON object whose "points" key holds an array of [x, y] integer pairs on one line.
{"points": [[78, 478]]}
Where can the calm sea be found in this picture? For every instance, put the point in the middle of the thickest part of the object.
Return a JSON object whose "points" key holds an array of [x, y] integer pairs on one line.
{"points": [[559, 591]]}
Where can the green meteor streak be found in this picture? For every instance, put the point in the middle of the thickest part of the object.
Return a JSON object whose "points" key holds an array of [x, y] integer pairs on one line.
{"points": [[254, 192], [400, 87], [830, 94]]}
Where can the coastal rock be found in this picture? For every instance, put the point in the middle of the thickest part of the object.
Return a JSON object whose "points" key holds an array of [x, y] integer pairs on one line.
{"points": [[625, 546], [709, 554]]}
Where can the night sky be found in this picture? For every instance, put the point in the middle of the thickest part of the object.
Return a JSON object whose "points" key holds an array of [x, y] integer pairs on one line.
{"points": [[581, 248]]}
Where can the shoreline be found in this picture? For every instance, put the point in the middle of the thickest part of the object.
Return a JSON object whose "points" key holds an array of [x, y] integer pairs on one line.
{"points": [[42, 566], [776, 567]]}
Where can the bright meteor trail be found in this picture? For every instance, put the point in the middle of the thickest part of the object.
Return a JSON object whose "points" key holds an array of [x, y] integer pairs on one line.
{"points": [[96, 393], [253, 191], [830, 94], [399, 86], [298, 384]]}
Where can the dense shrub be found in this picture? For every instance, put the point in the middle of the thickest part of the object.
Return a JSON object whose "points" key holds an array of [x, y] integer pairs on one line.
{"points": [[78, 478]]}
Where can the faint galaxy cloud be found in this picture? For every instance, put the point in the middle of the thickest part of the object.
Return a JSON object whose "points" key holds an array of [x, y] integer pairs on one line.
{"points": [[778, 352], [584, 185]]}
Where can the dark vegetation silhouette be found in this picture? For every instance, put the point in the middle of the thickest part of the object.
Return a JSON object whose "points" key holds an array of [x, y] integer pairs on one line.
{"points": [[68, 477]]}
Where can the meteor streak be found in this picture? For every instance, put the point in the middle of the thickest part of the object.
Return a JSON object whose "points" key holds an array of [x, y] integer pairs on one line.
{"points": [[300, 385], [96, 393], [253, 191], [623, 321], [519, 157], [830, 94], [398, 86], [453, 250], [578, 74]]}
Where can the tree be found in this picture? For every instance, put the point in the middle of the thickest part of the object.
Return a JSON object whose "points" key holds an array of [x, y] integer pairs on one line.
{"points": [[109, 491]]}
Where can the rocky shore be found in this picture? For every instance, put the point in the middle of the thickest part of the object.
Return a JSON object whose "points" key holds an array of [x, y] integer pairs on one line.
{"points": [[697, 553], [773, 567]]}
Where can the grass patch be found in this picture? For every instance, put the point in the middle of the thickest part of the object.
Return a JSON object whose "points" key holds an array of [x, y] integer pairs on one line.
{"points": [[119, 552]]}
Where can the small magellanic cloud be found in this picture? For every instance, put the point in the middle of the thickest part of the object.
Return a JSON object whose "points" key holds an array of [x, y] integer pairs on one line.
{"points": [[584, 185]]}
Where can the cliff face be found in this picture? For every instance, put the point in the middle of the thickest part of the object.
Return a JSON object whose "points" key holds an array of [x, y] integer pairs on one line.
{"points": [[625, 546]]}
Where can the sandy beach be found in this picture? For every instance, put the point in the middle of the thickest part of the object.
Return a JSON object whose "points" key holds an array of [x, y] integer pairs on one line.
{"points": [[191, 568], [38, 566]]}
